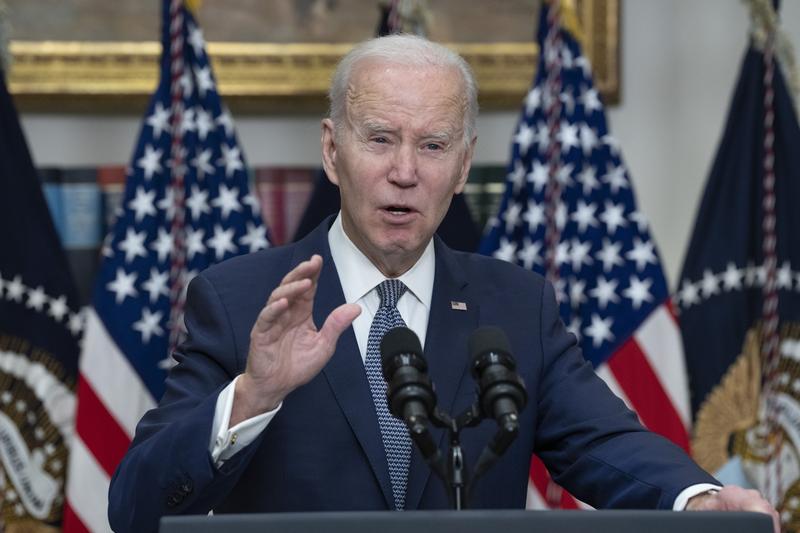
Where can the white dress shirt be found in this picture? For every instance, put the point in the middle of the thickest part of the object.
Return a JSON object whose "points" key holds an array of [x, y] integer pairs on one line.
{"points": [[359, 279]]}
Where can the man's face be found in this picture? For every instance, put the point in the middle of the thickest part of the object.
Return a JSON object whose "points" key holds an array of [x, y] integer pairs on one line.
{"points": [[398, 158]]}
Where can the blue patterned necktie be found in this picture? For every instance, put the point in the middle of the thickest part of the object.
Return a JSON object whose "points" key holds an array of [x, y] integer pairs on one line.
{"points": [[396, 442]]}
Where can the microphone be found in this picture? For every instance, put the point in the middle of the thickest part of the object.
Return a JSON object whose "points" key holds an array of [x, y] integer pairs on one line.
{"points": [[500, 389], [409, 390]]}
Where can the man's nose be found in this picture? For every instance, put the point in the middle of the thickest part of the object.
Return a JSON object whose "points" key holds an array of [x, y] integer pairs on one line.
{"points": [[404, 168]]}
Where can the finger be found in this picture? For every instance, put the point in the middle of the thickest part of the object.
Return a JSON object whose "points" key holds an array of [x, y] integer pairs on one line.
{"points": [[267, 319], [307, 269], [316, 264], [290, 291], [733, 498], [338, 321], [763, 506], [760, 505]]}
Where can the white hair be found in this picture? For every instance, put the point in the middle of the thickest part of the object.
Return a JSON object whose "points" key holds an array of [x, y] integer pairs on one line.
{"points": [[407, 50]]}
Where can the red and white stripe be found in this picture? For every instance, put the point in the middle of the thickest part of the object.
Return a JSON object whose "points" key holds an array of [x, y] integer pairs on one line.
{"points": [[648, 373], [111, 400]]}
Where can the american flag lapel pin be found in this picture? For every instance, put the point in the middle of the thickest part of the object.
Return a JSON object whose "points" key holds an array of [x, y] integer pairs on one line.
{"points": [[458, 306]]}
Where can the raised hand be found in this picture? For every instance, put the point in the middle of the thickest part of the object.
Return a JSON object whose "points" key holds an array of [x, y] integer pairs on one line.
{"points": [[286, 349]]}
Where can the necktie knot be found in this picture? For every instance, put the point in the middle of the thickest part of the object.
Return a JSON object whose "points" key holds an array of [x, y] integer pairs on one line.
{"points": [[390, 292]]}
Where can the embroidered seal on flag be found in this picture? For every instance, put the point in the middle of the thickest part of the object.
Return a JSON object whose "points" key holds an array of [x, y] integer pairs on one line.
{"points": [[732, 429], [36, 415]]}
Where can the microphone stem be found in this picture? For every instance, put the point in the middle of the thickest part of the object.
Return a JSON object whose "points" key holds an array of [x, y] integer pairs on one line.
{"points": [[457, 473]]}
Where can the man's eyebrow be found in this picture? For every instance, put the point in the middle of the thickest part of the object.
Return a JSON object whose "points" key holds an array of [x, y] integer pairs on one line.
{"points": [[442, 136], [370, 126]]}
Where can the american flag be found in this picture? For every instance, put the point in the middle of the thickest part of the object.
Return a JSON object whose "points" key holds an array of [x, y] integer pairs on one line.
{"points": [[569, 212], [186, 205]]}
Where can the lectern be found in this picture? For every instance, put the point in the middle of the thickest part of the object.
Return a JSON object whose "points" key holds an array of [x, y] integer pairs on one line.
{"points": [[474, 522]]}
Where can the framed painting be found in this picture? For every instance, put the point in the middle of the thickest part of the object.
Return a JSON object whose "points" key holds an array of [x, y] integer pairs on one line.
{"points": [[277, 56]]}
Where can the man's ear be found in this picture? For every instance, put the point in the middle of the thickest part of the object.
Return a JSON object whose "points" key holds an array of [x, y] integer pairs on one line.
{"points": [[466, 164], [329, 150]]}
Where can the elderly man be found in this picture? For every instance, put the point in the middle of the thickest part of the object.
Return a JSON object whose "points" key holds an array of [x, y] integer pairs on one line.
{"points": [[277, 403]]}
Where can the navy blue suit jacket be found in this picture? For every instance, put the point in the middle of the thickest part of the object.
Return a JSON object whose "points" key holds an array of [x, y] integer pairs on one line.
{"points": [[323, 450]]}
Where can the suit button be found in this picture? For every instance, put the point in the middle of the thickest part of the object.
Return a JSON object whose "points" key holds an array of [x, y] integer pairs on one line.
{"points": [[187, 487], [172, 501]]}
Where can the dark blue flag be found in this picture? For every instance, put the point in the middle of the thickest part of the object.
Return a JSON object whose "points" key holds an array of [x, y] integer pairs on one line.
{"points": [[739, 293], [40, 327], [186, 206]]}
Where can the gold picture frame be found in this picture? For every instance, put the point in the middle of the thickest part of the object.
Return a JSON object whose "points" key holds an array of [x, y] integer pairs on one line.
{"points": [[84, 76]]}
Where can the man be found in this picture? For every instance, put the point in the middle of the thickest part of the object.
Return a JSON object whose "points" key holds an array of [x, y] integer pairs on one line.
{"points": [[277, 407]]}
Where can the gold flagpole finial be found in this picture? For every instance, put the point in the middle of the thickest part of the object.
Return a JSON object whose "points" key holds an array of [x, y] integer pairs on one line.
{"points": [[569, 19], [764, 23], [193, 5]]}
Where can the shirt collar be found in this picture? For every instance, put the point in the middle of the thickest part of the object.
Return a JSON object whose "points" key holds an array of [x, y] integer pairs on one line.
{"points": [[359, 276]]}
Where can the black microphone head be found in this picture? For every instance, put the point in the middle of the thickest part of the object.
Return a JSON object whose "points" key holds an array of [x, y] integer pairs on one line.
{"points": [[500, 389], [398, 341], [488, 339]]}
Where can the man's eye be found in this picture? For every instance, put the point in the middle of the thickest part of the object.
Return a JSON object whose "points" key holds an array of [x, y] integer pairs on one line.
{"points": [[433, 147], [380, 140]]}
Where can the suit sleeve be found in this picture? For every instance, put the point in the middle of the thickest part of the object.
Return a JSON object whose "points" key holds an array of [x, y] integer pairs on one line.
{"points": [[168, 468], [592, 444]]}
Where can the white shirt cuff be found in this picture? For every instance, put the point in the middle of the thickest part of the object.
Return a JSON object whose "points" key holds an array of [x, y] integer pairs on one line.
{"points": [[226, 442], [690, 492]]}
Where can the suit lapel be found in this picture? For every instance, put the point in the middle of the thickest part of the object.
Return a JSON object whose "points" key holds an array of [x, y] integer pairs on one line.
{"points": [[345, 370], [445, 350]]}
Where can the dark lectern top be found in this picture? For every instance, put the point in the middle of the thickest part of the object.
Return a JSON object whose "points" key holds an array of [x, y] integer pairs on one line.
{"points": [[474, 522]]}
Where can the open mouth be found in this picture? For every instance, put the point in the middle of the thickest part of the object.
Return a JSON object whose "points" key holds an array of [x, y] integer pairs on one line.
{"points": [[398, 210]]}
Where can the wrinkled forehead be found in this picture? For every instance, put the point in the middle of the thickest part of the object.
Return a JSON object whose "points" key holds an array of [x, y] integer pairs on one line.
{"points": [[417, 87]]}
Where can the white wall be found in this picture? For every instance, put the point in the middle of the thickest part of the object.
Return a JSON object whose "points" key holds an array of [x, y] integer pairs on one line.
{"points": [[680, 59]]}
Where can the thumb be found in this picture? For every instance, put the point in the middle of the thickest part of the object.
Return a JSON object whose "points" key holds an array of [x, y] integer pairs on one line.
{"points": [[339, 320]]}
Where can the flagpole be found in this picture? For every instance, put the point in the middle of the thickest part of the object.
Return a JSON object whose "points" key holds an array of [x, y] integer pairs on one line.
{"points": [[770, 336], [552, 101], [178, 256]]}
